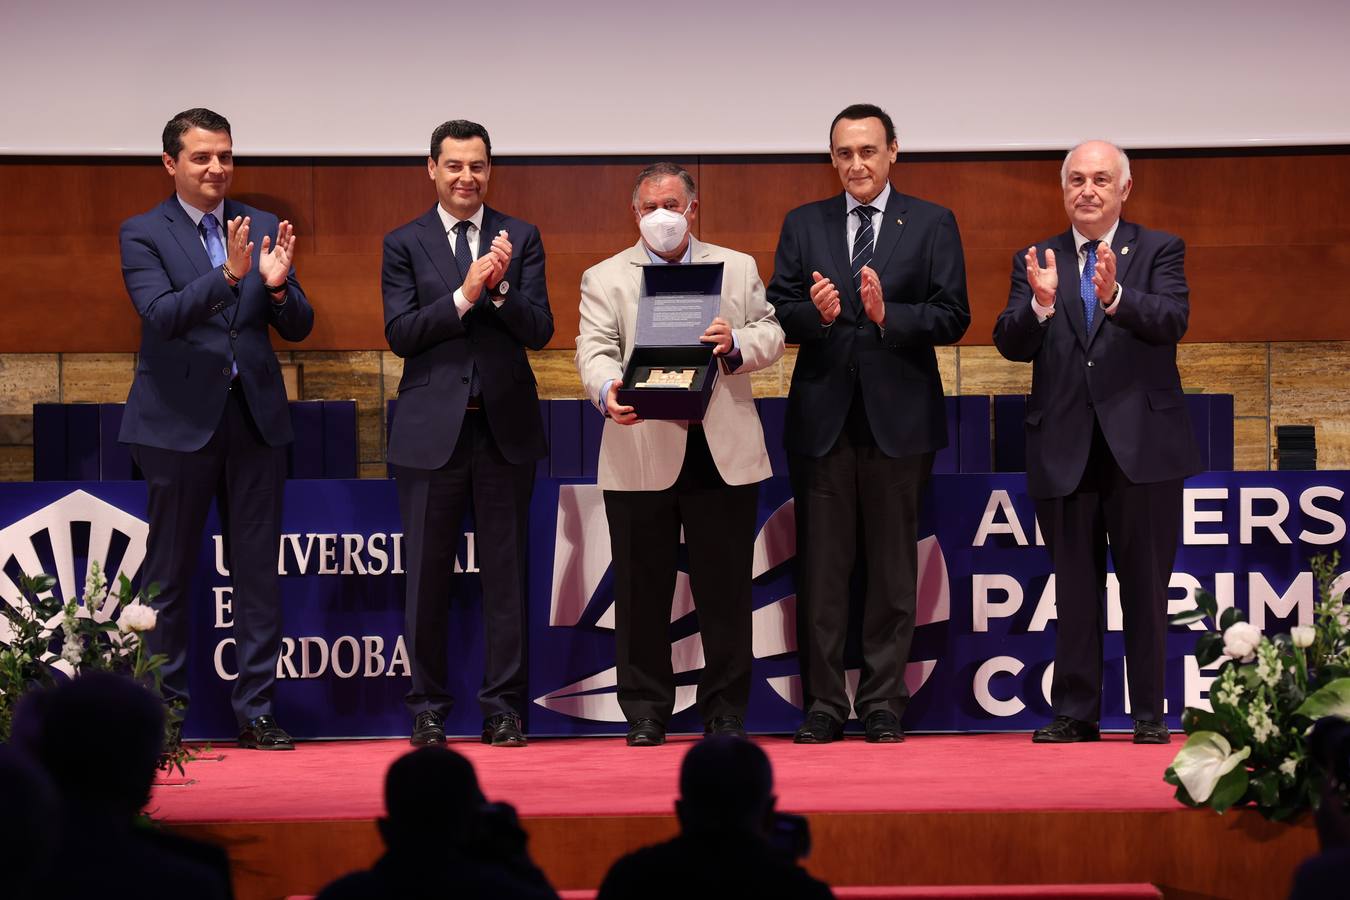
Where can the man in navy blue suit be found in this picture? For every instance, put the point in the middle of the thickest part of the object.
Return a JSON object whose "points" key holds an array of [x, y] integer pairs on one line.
{"points": [[464, 296], [1098, 311], [867, 282], [207, 416]]}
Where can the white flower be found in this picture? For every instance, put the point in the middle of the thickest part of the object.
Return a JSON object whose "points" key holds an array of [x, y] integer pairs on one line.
{"points": [[136, 617], [1303, 635], [1258, 720], [1241, 640], [1268, 666], [1206, 757], [72, 652], [1288, 766]]}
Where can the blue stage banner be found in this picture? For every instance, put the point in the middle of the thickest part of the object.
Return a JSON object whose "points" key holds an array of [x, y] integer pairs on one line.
{"points": [[982, 651]]}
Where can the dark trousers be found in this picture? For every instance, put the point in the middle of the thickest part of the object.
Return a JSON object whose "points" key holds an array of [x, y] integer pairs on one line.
{"points": [[1143, 522], [852, 488], [432, 503], [719, 532], [247, 479]]}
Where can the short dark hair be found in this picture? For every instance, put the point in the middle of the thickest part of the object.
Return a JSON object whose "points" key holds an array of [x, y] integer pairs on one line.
{"points": [[666, 170], [460, 130], [726, 783], [430, 794], [197, 117], [865, 111]]}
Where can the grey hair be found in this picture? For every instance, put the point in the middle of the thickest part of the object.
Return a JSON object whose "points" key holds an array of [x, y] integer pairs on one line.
{"points": [[666, 170], [1124, 162]]}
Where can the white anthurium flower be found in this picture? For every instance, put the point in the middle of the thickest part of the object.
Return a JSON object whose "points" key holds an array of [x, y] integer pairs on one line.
{"points": [[1241, 640], [136, 617], [1302, 635], [1204, 759]]}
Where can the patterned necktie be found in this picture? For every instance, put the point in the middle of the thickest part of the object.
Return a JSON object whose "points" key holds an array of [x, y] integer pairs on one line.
{"points": [[862, 245], [463, 258], [215, 249], [1085, 285], [210, 231]]}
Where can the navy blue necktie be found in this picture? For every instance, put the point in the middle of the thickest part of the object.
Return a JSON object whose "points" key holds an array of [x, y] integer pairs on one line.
{"points": [[215, 250], [463, 260], [1086, 287], [862, 245], [463, 256]]}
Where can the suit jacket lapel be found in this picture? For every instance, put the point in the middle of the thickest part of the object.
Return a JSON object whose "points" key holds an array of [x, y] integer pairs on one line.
{"points": [[437, 244], [186, 234], [836, 235], [488, 230], [888, 235], [1127, 235], [1070, 297]]}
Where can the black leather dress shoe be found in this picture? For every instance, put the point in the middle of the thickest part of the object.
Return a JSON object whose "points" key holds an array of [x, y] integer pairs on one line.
{"points": [[503, 730], [646, 733], [263, 733], [882, 727], [1151, 733], [428, 729], [819, 728], [1065, 730], [728, 726]]}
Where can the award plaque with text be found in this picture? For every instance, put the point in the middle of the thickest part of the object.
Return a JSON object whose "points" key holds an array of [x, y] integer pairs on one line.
{"points": [[670, 373]]}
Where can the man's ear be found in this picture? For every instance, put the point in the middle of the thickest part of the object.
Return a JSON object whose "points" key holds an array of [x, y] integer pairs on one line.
{"points": [[169, 163]]}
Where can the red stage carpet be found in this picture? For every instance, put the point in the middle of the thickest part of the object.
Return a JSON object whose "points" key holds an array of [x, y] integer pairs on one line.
{"points": [[937, 809]]}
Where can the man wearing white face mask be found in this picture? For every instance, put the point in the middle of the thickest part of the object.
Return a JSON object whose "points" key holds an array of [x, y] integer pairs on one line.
{"points": [[661, 476]]}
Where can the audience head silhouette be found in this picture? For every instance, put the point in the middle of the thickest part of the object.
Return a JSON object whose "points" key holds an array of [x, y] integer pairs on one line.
{"points": [[129, 724], [726, 784], [28, 831], [431, 797]]}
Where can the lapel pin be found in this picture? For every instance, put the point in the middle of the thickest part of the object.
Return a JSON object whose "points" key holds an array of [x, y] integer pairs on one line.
{"points": [[1124, 250], [899, 221]]}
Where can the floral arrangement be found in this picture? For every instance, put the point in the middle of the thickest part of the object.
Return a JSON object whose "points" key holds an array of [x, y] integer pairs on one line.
{"points": [[1252, 747], [44, 639]]}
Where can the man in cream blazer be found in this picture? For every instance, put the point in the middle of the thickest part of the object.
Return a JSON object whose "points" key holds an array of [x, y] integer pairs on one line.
{"points": [[661, 476]]}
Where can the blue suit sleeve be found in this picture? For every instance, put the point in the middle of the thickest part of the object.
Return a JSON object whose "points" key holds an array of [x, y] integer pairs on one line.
{"points": [[1017, 332], [409, 326], [170, 313], [1160, 314], [525, 311]]}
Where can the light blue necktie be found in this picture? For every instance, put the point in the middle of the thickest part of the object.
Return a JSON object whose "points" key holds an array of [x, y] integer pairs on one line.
{"points": [[215, 249], [1086, 287]]}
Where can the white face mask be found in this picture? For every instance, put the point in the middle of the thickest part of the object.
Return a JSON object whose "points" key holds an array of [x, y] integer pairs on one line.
{"points": [[663, 229]]}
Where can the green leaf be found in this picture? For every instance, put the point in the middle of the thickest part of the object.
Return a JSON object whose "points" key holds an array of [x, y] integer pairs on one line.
{"points": [[1205, 601], [38, 584], [1266, 787], [1230, 617], [1229, 790], [1208, 648], [1186, 618], [1170, 777], [1331, 700], [1193, 720]]}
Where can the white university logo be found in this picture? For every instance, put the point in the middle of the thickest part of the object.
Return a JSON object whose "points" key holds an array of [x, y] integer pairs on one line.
{"points": [[54, 526], [581, 557]]}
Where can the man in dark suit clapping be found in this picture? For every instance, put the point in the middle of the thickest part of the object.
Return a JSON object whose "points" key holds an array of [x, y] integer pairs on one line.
{"points": [[207, 416], [867, 282], [1098, 311], [464, 297]]}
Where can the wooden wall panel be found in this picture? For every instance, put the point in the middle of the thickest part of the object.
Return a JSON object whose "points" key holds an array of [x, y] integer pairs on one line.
{"points": [[1268, 241]]}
